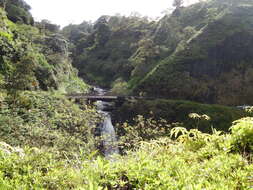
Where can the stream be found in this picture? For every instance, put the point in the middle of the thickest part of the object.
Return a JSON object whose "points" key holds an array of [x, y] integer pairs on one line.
{"points": [[108, 134]]}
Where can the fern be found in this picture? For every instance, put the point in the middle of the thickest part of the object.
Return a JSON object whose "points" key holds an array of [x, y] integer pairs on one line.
{"points": [[178, 131], [242, 135]]}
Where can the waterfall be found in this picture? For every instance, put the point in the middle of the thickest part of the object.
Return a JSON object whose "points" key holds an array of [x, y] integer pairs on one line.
{"points": [[108, 134]]}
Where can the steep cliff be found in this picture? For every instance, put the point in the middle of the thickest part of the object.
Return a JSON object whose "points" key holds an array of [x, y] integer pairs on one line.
{"points": [[32, 59], [214, 64]]}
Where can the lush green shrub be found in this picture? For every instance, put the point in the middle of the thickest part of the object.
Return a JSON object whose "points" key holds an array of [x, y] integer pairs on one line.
{"points": [[190, 160], [166, 164], [36, 170], [221, 117], [242, 135], [49, 120], [142, 130], [120, 87]]}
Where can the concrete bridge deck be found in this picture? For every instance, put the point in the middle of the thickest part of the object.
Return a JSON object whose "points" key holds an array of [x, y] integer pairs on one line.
{"points": [[106, 98], [95, 98]]}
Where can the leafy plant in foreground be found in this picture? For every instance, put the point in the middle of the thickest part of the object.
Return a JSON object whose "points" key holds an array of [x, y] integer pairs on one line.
{"points": [[142, 130], [242, 135]]}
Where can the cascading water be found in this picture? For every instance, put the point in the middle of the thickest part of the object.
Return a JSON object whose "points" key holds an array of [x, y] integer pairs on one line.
{"points": [[109, 138]]}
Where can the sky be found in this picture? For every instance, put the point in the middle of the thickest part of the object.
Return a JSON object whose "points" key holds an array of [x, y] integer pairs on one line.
{"points": [[64, 12]]}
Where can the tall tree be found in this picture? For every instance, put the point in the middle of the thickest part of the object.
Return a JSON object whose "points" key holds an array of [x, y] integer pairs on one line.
{"points": [[178, 3]]}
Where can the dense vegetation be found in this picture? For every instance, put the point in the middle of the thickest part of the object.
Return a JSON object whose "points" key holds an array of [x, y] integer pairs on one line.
{"points": [[202, 53], [212, 65], [221, 117], [35, 58], [193, 160], [48, 121], [99, 51]]}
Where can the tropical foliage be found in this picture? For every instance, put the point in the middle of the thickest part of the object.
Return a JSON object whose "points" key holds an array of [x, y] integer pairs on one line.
{"points": [[221, 117], [202, 53], [193, 160], [189, 54]]}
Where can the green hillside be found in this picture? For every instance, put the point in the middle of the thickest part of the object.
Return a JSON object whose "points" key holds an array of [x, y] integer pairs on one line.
{"points": [[175, 124], [33, 58], [213, 65], [202, 52]]}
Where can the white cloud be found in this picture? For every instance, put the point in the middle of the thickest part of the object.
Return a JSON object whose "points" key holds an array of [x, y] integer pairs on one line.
{"points": [[64, 12]]}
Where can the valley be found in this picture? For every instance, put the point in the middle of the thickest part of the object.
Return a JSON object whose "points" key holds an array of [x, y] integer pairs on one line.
{"points": [[128, 102]]}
